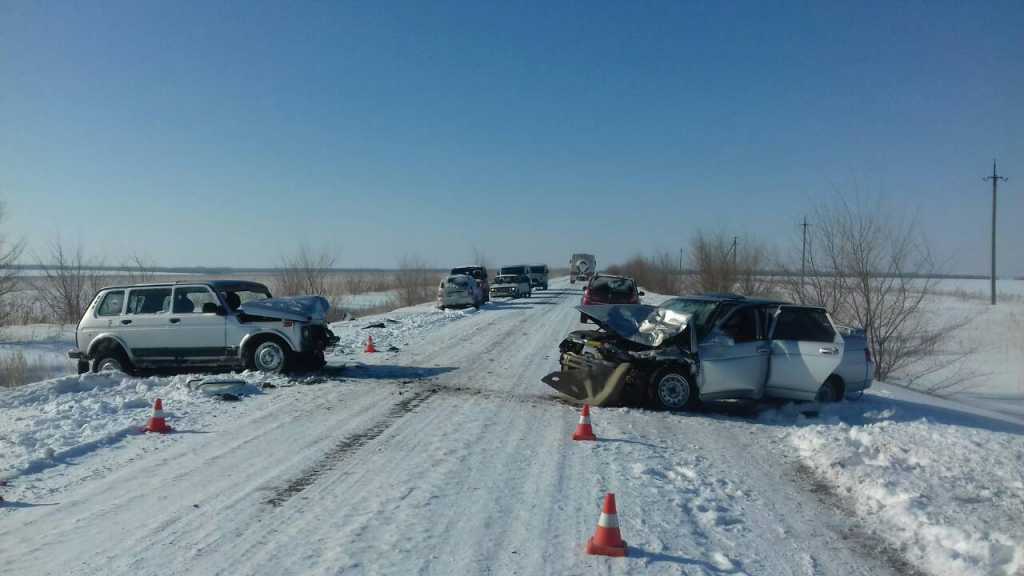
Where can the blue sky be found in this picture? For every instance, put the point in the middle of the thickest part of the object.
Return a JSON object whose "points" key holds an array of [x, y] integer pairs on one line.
{"points": [[214, 133]]}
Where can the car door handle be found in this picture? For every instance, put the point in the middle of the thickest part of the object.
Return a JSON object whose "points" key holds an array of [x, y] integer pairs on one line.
{"points": [[827, 350], [764, 351], [174, 320], [126, 321]]}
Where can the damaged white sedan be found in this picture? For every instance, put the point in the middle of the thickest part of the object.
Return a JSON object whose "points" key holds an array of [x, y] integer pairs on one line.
{"points": [[711, 347], [221, 323]]}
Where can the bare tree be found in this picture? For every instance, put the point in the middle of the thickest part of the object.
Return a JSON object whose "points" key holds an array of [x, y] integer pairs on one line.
{"points": [[306, 273], [873, 270], [139, 269], [719, 263], [9, 254], [415, 280], [68, 282], [480, 258]]}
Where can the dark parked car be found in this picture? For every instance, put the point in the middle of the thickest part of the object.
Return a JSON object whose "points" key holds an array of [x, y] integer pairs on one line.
{"points": [[479, 273], [607, 289]]}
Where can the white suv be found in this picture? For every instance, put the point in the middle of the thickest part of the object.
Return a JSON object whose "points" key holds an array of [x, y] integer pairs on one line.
{"points": [[222, 323]]}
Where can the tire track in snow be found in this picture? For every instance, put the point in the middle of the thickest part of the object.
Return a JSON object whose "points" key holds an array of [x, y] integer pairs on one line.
{"points": [[856, 533], [351, 444], [348, 445]]}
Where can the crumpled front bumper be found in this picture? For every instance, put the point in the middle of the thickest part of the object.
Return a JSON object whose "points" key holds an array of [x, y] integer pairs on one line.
{"points": [[590, 379]]}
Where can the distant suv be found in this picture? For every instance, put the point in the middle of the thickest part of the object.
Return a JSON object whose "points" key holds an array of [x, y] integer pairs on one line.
{"points": [[479, 273], [538, 274], [221, 323], [512, 286]]}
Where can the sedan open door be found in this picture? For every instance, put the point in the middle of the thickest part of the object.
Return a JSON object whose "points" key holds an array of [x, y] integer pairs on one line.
{"points": [[805, 350]]}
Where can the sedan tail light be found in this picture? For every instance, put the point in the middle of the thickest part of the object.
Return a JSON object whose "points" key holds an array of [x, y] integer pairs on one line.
{"points": [[586, 296]]}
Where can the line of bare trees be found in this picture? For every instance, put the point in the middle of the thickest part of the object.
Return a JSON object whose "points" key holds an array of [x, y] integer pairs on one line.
{"points": [[9, 254]]}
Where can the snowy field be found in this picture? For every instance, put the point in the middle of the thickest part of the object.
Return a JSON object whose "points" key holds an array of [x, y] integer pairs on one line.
{"points": [[445, 454]]}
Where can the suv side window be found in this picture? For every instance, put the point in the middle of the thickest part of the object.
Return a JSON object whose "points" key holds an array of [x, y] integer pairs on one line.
{"points": [[193, 300], [112, 304], [741, 325], [804, 324], [149, 301]]}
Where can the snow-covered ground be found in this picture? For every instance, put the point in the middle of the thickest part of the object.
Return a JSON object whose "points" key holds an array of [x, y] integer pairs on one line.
{"points": [[445, 454]]}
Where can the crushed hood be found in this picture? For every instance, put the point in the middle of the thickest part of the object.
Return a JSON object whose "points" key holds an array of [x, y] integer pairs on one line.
{"points": [[640, 323], [299, 308]]}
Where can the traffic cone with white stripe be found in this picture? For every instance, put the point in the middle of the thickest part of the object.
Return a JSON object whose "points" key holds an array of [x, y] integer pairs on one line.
{"points": [[607, 541], [157, 422], [370, 348], [583, 429]]}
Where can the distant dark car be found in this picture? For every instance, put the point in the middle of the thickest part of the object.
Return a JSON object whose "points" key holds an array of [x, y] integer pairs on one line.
{"points": [[479, 273], [606, 289]]}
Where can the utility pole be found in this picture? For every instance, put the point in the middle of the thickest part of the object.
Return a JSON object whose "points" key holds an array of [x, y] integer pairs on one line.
{"points": [[995, 178], [803, 257], [734, 239]]}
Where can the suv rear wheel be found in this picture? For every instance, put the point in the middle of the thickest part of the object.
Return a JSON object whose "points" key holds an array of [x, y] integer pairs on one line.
{"points": [[267, 355], [111, 359]]}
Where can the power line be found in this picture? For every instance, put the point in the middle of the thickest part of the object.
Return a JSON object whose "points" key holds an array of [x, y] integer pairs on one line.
{"points": [[995, 178]]}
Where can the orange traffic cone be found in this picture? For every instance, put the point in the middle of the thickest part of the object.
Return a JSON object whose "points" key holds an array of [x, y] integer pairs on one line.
{"points": [[157, 422], [583, 429], [607, 541], [369, 345]]}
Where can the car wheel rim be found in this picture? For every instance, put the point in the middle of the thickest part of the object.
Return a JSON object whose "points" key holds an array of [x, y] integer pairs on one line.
{"points": [[269, 357], [673, 391], [110, 365]]}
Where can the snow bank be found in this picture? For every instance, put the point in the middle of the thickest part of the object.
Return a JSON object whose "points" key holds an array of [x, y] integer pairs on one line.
{"points": [[950, 497], [397, 328], [48, 422]]}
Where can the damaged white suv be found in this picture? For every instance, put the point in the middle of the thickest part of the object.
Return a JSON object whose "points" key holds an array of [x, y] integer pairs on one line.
{"points": [[222, 323]]}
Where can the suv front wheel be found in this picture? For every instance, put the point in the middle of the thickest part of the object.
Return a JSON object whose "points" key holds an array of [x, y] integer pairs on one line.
{"points": [[267, 355]]}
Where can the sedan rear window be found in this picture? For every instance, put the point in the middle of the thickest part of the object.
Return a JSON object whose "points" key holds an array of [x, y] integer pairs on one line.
{"points": [[805, 325], [604, 286]]}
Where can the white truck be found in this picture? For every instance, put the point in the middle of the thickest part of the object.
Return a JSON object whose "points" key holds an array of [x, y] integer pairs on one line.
{"points": [[582, 267]]}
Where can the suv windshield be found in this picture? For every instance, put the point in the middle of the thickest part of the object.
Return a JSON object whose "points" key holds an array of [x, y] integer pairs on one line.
{"points": [[514, 270], [537, 269], [235, 298]]}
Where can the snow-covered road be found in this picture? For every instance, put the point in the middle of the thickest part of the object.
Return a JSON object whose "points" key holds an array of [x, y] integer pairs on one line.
{"points": [[449, 456]]}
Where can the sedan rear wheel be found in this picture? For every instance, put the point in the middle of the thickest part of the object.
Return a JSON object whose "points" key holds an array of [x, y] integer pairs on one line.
{"points": [[830, 391]]}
